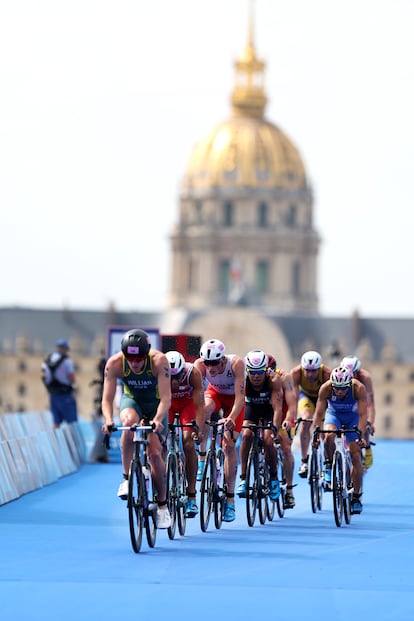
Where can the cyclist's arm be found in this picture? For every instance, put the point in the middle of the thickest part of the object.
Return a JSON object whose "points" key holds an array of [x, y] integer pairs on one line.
{"points": [[361, 395], [111, 376], [276, 400], [291, 398], [196, 381], [162, 369], [239, 388], [325, 391]]}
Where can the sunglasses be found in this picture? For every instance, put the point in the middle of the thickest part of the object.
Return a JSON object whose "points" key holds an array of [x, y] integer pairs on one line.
{"points": [[212, 363], [135, 358], [341, 387], [256, 371]]}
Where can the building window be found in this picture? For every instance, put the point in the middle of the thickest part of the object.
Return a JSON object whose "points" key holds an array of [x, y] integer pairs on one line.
{"points": [[262, 215], [388, 376], [411, 423], [388, 398], [224, 275], [262, 276], [296, 279], [21, 390], [387, 422], [411, 378], [291, 216], [22, 366], [228, 214], [411, 400], [199, 212]]}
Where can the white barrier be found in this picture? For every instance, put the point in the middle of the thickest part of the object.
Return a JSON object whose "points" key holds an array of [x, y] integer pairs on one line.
{"points": [[33, 454]]}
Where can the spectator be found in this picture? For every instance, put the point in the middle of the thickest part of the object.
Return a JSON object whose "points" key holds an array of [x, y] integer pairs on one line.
{"points": [[58, 374]]}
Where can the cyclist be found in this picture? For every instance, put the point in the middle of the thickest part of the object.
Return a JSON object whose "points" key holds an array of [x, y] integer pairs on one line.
{"points": [[263, 402], [289, 408], [343, 401], [146, 394], [187, 399], [307, 378], [225, 391], [365, 378]]}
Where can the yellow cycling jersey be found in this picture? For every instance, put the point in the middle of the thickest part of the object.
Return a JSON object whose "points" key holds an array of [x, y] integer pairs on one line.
{"points": [[308, 388]]}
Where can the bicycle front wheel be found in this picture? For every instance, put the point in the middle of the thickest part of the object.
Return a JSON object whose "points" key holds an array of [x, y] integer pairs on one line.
{"points": [[349, 489], [172, 493], [337, 488], [150, 513], [136, 484], [207, 490], [263, 491], [280, 502], [315, 480], [220, 496], [182, 495], [252, 486]]}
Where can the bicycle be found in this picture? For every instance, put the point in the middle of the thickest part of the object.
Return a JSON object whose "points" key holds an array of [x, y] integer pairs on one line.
{"points": [[342, 486], [316, 470], [176, 476], [141, 501], [213, 484], [258, 477], [281, 477]]}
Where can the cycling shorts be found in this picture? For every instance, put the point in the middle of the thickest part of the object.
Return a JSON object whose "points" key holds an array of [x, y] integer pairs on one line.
{"points": [[186, 410], [349, 419], [224, 402]]}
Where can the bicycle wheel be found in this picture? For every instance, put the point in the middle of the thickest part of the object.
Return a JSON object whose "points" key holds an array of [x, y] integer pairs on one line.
{"points": [[347, 498], [337, 479], [150, 513], [280, 502], [172, 492], [314, 479], [182, 495], [220, 493], [136, 484], [263, 489], [207, 490], [320, 479], [252, 486], [270, 504]]}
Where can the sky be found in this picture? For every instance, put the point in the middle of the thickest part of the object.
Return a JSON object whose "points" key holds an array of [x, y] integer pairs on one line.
{"points": [[102, 102]]}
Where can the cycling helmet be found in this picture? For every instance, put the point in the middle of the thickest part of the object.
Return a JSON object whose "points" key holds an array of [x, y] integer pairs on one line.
{"points": [[341, 377], [176, 362], [136, 343], [272, 364], [311, 360], [212, 350], [256, 359], [352, 362]]}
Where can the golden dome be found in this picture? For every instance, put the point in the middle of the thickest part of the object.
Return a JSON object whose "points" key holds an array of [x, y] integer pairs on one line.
{"points": [[246, 150]]}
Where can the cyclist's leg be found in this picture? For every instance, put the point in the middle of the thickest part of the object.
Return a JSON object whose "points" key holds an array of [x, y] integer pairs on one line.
{"points": [[187, 414], [331, 422], [249, 418], [306, 409], [129, 414], [210, 406]]}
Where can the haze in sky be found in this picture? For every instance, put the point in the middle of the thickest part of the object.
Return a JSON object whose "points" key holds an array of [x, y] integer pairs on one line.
{"points": [[102, 102]]}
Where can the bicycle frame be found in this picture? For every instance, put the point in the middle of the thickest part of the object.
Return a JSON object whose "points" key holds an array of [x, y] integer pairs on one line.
{"points": [[213, 483], [342, 486], [141, 503], [176, 475]]}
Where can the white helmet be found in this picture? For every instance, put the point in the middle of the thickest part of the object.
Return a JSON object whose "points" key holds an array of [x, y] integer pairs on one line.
{"points": [[352, 362], [256, 359], [212, 350], [341, 377], [176, 361], [311, 360]]}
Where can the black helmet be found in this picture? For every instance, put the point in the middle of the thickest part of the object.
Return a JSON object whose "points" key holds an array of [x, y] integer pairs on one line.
{"points": [[136, 344]]}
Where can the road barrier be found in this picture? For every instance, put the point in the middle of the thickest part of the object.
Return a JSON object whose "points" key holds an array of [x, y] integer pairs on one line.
{"points": [[33, 454]]}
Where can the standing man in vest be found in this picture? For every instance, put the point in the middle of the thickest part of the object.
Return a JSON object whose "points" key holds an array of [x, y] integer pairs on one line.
{"points": [[58, 374]]}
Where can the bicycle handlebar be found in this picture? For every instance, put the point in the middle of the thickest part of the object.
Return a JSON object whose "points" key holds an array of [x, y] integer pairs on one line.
{"points": [[136, 427]]}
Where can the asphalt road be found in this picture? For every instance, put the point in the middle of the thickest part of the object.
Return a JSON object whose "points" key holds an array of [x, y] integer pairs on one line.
{"points": [[66, 554]]}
